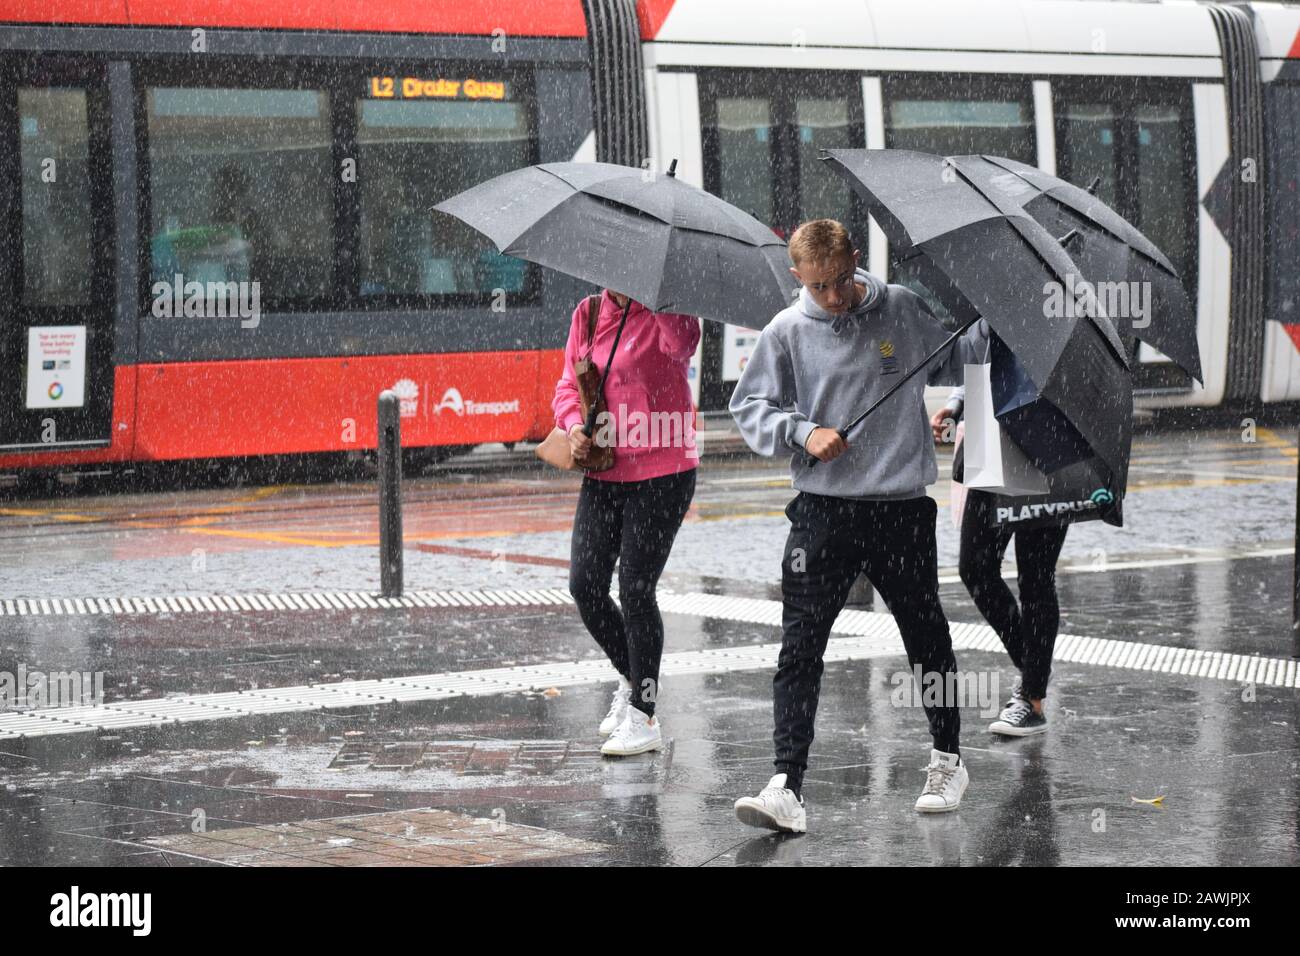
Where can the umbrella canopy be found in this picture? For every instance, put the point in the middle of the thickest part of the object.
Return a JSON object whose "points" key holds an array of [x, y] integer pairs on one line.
{"points": [[666, 244], [1048, 436], [1107, 249], [983, 254]]}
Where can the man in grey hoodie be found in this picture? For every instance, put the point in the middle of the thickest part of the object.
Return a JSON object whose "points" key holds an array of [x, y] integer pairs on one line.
{"points": [[864, 507]]}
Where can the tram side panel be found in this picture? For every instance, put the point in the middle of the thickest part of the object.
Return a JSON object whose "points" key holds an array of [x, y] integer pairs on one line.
{"points": [[302, 375]]}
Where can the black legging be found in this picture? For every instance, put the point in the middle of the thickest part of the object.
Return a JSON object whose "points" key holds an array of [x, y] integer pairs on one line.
{"points": [[633, 522], [1028, 629]]}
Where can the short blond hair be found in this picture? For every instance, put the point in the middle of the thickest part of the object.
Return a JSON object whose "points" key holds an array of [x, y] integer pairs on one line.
{"points": [[819, 240]]}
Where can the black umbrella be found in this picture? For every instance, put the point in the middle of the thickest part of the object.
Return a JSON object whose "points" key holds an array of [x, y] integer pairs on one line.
{"points": [[984, 255], [668, 245], [1108, 250]]}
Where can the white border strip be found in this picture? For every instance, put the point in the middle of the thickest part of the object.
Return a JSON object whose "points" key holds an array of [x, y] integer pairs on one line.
{"points": [[865, 634]]}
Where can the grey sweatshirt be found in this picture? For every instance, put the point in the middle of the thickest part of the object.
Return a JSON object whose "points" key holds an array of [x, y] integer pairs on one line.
{"points": [[812, 368]]}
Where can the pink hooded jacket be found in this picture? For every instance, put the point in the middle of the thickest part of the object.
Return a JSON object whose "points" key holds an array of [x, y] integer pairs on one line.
{"points": [[648, 378]]}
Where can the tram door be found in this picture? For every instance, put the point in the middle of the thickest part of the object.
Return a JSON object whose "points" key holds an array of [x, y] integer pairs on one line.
{"points": [[56, 267], [1136, 141]]}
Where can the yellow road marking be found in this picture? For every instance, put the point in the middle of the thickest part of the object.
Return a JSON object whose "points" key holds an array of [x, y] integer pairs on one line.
{"points": [[259, 493], [1234, 462], [325, 538], [742, 514], [104, 517], [342, 539], [38, 513], [357, 541], [1207, 483], [1270, 438], [236, 506], [270, 536]]}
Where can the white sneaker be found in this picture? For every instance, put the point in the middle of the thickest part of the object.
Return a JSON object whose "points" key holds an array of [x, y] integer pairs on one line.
{"points": [[775, 808], [635, 735], [945, 782], [618, 706]]}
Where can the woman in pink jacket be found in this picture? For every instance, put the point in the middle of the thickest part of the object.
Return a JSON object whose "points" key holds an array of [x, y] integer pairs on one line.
{"points": [[630, 513]]}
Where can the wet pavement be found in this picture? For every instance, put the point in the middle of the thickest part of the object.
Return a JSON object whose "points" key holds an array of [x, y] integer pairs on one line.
{"points": [[262, 707]]}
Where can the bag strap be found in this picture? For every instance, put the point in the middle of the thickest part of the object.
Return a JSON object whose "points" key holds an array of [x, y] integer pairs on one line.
{"points": [[593, 316]]}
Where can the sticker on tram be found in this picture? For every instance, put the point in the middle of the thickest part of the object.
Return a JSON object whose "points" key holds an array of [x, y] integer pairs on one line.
{"points": [[56, 366]]}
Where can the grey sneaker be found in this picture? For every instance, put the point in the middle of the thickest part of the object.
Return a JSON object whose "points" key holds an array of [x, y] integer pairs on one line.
{"points": [[1017, 692], [1018, 719]]}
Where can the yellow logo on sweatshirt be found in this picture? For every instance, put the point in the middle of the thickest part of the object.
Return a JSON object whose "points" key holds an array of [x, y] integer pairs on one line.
{"points": [[888, 363]]}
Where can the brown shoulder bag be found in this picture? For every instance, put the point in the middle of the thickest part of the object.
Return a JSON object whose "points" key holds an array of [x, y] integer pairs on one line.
{"points": [[555, 450]]}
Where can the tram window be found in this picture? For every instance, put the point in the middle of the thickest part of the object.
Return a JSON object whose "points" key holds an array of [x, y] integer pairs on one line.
{"points": [[1088, 136], [821, 124], [1134, 140], [55, 160], [955, 116], [240, 188], [745, 162], [412, 154], [761, 133], [1162, 182]]}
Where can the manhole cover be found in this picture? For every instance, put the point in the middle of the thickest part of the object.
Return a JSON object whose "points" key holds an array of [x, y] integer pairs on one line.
{"points": [[404, 838], [469, 758]]}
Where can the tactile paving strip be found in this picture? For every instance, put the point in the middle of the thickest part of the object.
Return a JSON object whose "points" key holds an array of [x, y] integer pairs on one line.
{"points": [[866, 634], [292, 601]]}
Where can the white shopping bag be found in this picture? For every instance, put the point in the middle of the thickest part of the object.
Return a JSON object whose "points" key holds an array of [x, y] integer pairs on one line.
{"points": [[957, 491], [993, 461]]}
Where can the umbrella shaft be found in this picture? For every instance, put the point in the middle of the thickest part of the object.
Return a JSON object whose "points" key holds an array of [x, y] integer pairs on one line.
{"points": [[947, 343], [844, 432]]}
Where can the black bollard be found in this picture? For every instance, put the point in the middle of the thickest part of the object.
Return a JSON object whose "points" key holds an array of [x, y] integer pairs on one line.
{"points": [[390, 495]]}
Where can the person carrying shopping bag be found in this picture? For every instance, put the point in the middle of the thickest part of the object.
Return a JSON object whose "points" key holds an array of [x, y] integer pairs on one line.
{"points": [[640, 478], [1027, 627]]}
